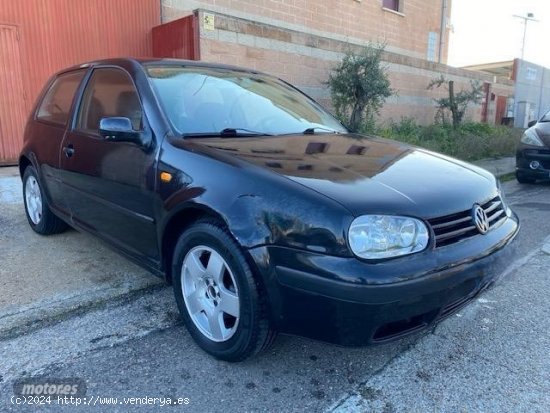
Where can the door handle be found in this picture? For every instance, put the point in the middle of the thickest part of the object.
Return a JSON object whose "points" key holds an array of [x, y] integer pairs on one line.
{"points": [[68, 150]]}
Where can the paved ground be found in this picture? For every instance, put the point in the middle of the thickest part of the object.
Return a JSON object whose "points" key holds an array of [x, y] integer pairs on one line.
{"points": [[71, 308], [54, 275], [500, 166], [493, 357]]}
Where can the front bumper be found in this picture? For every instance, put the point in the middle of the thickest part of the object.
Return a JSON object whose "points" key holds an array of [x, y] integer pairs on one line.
{"points": [[350, 302], [524, 157]]}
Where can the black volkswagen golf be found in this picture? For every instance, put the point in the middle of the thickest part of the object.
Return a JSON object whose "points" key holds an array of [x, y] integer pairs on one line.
{"points": [[259, 207]]}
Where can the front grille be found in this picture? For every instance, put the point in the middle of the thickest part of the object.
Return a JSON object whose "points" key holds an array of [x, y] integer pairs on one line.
{"points": [[456, 227], [545, 152]]}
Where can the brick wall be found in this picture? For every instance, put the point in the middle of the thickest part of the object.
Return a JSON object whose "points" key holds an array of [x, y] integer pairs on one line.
{"points": [[352, 21], [305, 60]]}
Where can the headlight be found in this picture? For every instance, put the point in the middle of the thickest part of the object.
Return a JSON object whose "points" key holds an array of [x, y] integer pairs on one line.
{"points": [[530, 137], [384, 236]]}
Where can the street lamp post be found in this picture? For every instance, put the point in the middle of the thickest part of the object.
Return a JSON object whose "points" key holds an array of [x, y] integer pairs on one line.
{"points": [[526, 19]]}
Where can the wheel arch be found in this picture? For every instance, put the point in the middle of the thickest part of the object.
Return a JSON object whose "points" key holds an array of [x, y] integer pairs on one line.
{"points": [[176, 224], [183, 219], [24, 163]]}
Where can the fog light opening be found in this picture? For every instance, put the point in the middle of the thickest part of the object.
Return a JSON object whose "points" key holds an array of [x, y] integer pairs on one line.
{"points": [[534, 165]]}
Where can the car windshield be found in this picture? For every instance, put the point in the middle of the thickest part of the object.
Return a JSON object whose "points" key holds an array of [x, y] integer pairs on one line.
{"points": [[213, 101]]}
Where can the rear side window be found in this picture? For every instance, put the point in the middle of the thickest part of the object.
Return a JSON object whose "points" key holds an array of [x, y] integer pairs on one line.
{"points": [[56, 105], [110, 92]]}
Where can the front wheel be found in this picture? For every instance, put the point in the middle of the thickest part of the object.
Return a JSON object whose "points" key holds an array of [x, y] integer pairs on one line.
{"points": [[222, 303]]}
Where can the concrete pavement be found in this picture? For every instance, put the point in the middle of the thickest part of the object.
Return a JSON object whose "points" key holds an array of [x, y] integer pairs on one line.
{"points": [[45, 278], [499, 166], [493, 356], [546, 247]]}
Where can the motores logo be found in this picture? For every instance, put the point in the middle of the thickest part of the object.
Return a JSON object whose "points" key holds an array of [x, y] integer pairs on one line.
{"points": [[50, 387]]}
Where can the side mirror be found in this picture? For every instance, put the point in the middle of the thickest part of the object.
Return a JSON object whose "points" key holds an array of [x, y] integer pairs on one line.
{"points": [[532, 123], [118, 129]]}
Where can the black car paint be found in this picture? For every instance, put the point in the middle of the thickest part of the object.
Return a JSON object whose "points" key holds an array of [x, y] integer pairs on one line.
{"points": [[293, 223], [389, 169], [526, 154]]}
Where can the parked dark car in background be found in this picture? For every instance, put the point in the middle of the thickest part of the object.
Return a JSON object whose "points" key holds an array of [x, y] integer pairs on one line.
{"points": [[264, 212], [533, 152]]}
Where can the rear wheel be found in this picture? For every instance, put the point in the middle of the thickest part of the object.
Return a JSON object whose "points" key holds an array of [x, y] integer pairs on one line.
{"points": [[221, 302], [40, 218], [522, 179]]}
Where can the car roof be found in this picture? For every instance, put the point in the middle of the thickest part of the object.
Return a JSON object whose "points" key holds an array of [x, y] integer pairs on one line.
{"points": [[130, 61]]}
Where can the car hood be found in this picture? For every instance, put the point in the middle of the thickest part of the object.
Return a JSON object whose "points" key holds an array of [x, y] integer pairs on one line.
{"points": [[367, 174], [543, 130]]}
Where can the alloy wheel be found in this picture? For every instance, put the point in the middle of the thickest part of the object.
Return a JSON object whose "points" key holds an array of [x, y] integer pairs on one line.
{"points": [[33, 200], [210, 293]]}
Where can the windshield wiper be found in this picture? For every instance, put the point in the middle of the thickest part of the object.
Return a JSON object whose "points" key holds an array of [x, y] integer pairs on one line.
{"points": [[226, 133], [243, 133], [236, 132], [311, 131]]}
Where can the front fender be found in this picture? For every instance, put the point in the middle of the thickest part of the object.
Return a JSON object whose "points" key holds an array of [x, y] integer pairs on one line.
{"points": [[257, 220]]}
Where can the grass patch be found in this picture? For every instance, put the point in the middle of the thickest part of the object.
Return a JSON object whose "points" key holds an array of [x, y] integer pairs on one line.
{"points": [[470, 142], [507, 177]]}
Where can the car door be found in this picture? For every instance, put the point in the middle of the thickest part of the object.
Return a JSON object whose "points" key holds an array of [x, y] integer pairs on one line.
{"points": [[48, 130], [110, 185]]}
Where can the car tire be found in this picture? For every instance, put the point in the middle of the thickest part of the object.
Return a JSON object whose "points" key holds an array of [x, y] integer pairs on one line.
{"points": [[41, 219], [222, 303], [522, 179]]}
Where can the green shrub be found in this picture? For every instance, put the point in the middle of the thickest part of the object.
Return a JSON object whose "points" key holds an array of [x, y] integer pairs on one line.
{"points": [[477, 128], [359, 86], [470, 141]]}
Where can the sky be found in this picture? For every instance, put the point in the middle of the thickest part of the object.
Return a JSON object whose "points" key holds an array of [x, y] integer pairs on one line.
{"points": [[485, 31]]}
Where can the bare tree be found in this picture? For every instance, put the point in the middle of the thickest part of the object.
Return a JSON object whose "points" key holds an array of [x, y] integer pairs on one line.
{"points": [[456, 103]]}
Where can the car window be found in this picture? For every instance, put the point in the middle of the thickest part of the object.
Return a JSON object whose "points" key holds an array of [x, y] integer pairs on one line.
{"points": [[208, 100], [109, 92], [56, 105], [546, 118]]}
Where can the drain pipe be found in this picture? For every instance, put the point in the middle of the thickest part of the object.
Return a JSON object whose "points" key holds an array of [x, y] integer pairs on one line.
{"points": [[443, 30]]}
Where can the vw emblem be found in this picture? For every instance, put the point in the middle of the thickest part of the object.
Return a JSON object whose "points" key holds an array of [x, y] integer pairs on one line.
{"points": [[480, 219]]}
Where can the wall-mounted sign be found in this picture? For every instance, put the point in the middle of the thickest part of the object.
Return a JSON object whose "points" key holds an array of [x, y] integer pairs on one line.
{"points": [[208, 21]]}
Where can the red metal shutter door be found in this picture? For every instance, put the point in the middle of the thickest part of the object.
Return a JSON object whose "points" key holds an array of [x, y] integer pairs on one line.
{"points": [[12, 98], [501, 109]]}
